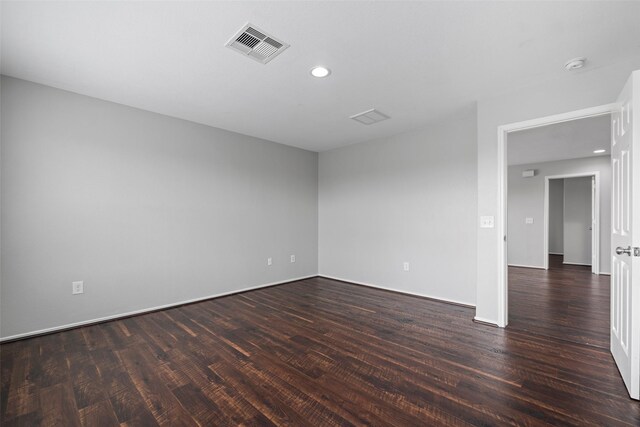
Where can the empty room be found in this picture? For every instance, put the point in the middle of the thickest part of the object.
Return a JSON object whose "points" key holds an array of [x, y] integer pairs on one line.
{"points": [[319, 213]]}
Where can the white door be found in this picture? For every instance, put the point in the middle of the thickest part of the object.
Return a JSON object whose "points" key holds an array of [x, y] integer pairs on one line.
{"points": [[625, 238]]}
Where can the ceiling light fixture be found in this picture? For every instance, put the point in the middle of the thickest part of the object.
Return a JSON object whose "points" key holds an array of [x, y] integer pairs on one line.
{"points": [[575, 63], [320, 72], [599, 151]]}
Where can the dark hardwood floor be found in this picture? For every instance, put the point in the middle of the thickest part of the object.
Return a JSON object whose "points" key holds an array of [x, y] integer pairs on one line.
{"points": [[565, 302], [315, 352]]}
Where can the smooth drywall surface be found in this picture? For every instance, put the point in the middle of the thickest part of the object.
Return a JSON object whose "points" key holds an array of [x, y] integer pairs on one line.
{"points": [[590, 87], [146, 209], [410, 198], [525, 199], [556, 216], [577, 221]]}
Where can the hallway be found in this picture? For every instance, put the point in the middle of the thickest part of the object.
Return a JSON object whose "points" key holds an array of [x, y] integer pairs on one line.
{"points": [[565, 302]]}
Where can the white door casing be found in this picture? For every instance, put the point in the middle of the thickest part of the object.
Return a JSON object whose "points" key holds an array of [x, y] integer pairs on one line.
{"points": [[502, 295], [595, 246], [625, 235]]}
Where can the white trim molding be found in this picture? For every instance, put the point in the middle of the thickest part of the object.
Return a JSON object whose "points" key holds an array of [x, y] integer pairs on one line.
{"points": [[538, 267], [501, 220], [400, 291], [487, 321], [145, 310]]}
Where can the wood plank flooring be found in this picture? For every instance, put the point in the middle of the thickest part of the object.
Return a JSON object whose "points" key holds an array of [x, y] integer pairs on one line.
{"points": [[566, 302], [310, 353]]}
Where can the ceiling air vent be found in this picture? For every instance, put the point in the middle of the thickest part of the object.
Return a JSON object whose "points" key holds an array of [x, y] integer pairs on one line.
{"points": [[370, 117], [256, 44]]}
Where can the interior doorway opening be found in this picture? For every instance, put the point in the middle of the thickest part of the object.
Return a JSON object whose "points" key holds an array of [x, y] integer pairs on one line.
{"points": [[624, 295], [571, 220], [502, 171], [558, 202]]}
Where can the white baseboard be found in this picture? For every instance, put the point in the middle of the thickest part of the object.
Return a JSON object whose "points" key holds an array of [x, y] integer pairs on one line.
{"points": [[539, 267], [145, 310], [556, 253], [483, 320], [576, 263], [605, 273], [397, 290]]}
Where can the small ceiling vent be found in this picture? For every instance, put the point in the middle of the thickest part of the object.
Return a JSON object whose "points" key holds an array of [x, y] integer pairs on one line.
{"points": [[256, 44], [370, 117]]}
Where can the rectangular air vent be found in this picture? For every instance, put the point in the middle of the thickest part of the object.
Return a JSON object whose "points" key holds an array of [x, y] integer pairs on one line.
{"points": [[256, 44], [370, 117]]}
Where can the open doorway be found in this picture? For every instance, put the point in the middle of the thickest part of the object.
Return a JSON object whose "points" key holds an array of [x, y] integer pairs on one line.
{"points": [[572, 232], [624, 295], [559, 224]]}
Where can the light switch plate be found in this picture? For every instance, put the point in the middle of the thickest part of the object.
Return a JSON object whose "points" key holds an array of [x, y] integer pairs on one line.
{"points": [[486, 222]]}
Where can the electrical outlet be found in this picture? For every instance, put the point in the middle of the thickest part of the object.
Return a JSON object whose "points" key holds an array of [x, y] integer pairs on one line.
{"points": [[405, 266], [528, 220], [293, 258], [77, 288], [269, 261]]}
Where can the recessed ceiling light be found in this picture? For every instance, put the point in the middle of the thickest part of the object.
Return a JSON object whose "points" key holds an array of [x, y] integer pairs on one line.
{"points": [[575, 63], [320, 72], [599, 151]]}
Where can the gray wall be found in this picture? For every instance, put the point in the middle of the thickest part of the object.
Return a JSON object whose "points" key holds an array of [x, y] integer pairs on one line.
{"points": [[556, 216], [408, 198], [526, 199], [577, 90], [577, 221], [146, 209]]}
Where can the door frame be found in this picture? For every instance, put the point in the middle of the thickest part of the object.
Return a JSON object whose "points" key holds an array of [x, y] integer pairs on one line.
{"points": [[595, 235], [501, 223]]}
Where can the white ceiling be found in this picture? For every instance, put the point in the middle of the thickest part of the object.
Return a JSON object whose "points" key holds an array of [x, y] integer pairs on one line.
{"points": [[562, 141], [415, 61]]}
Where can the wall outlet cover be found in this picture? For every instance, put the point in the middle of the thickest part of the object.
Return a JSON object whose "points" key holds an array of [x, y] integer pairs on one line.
{"points": [[77, 288], [293, 258]]}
